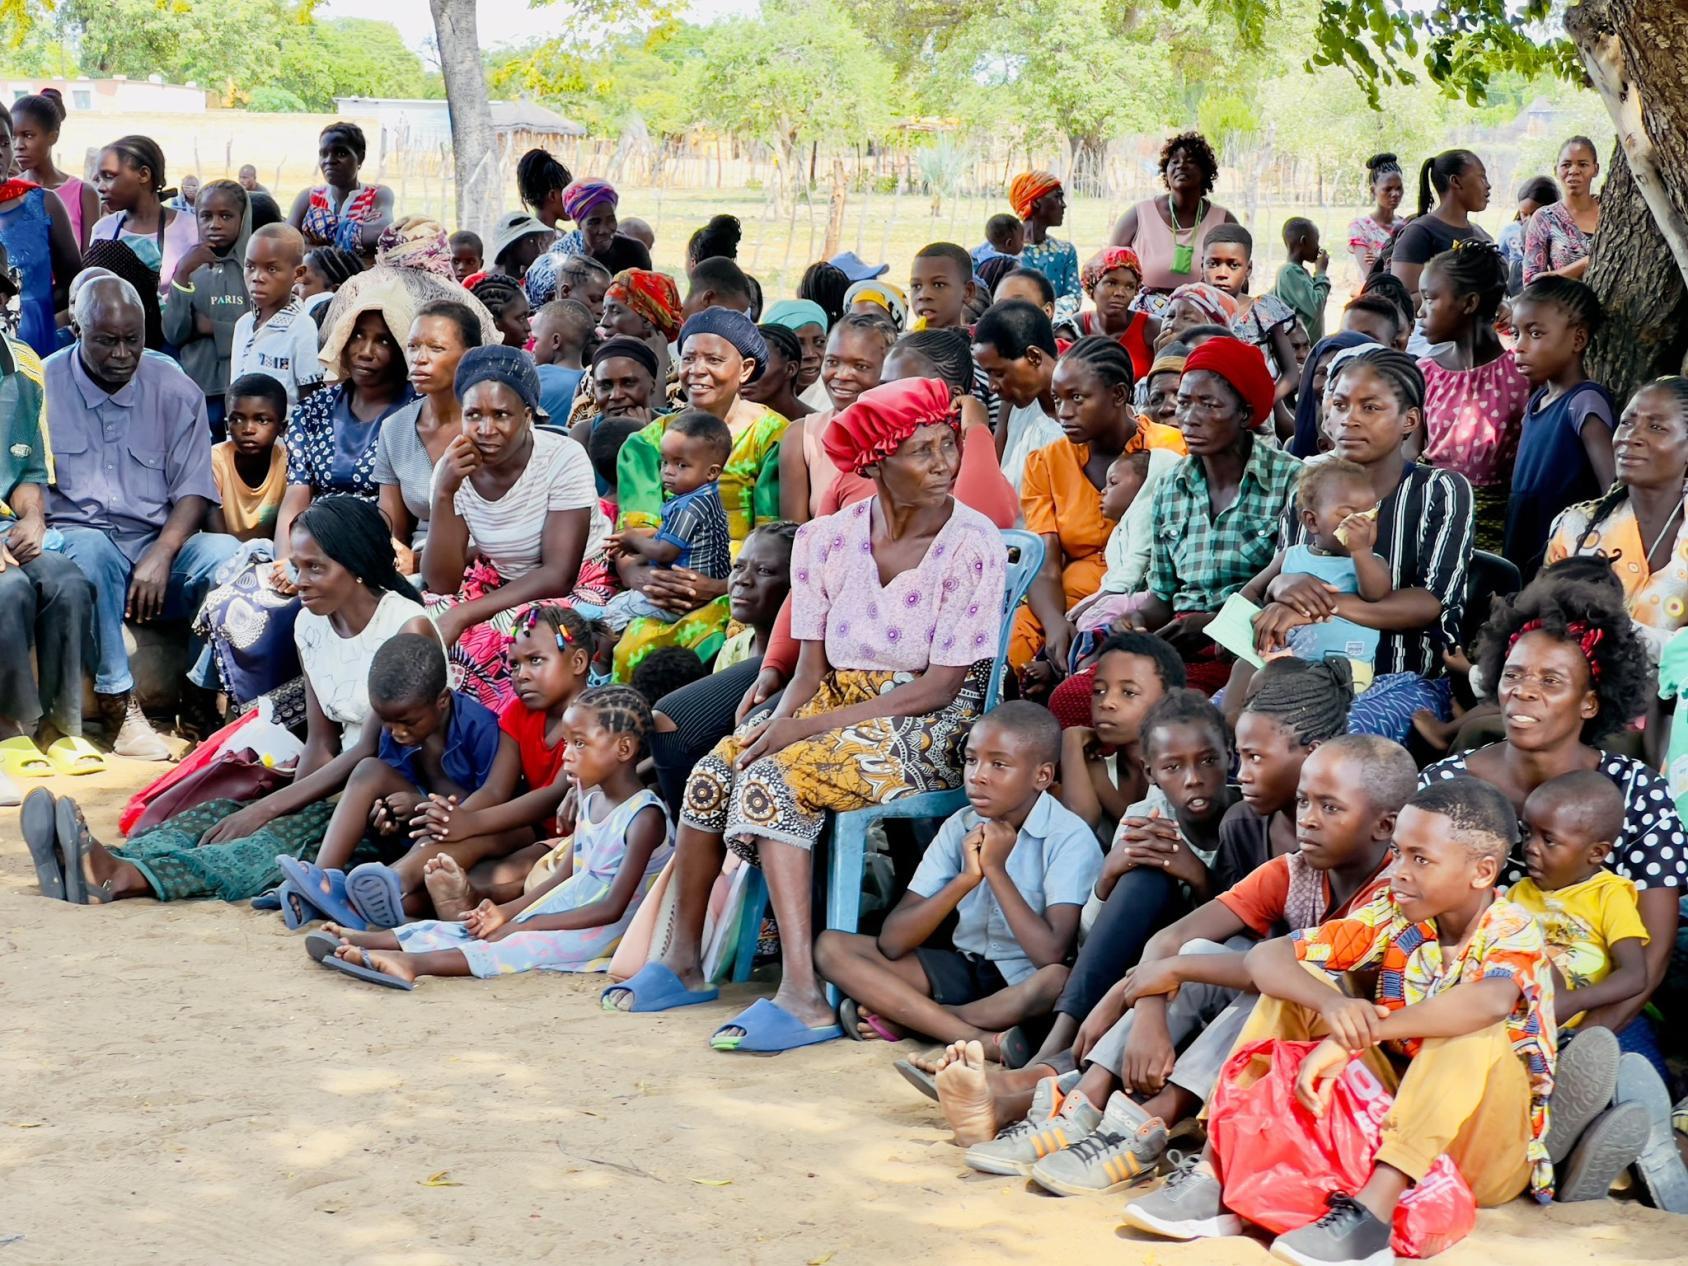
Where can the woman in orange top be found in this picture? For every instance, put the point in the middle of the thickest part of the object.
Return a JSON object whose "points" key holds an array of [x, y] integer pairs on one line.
{"points": [[1061, 494]]}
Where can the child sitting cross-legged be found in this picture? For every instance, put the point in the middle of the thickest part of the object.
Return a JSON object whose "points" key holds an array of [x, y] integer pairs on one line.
{"points": [[1013, 868], [485, 840], [1460, 1030], [574, 920], [693, 534], [433, 741]]}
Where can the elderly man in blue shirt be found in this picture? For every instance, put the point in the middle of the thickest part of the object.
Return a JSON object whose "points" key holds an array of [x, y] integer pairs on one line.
{"points": [[132, 449]]}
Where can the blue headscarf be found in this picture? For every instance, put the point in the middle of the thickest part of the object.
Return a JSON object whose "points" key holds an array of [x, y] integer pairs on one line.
{"points": [[1306, 441]]}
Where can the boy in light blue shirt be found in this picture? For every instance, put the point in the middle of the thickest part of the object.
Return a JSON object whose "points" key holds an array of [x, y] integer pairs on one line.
{"points": [[1014, 868]]}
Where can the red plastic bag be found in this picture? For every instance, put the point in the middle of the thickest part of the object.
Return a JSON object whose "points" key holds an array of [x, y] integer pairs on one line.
{"points": [[1279, 1163]]}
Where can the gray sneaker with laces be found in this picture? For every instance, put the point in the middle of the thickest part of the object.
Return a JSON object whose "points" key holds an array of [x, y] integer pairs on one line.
{"points": [[1188, 1207], [1348, 1235], [1119, 1153], [1054, 1122]]}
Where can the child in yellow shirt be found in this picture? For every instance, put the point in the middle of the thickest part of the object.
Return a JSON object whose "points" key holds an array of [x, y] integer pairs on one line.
{"points": [[250, 467], [1587, 914]]}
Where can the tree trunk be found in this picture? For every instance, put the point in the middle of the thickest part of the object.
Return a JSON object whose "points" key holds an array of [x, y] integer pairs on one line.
{"points": [[1634, 51], [835, 210], [474, 156]]}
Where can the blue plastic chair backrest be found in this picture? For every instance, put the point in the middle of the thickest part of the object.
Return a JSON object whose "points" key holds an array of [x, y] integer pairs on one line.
{"points": [[1025, 559]]}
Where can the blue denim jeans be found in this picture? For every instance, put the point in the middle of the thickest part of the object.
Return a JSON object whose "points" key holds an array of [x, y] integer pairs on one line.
{"points": [[105, 565]]}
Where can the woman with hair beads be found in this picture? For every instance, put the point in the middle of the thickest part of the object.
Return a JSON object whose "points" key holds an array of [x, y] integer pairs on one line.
{"points": [[1462, 190], [354, 600], [1370, 234], [1039, 200], [130, 179], [40, 246], [1560, 234], [1568, 671], [1474, 392], [36, 120], [1639, 524], [342, 211], [1167, 233]]}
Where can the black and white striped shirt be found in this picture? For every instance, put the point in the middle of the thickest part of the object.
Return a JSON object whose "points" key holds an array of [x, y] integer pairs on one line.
{"points": [[1424, 533]]}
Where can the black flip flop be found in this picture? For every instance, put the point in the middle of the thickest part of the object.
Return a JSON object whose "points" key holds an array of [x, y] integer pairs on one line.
{"points": [[1015, 1048], [365, 972], [36, 824], [321, 945], [926, 1083], [72, 831]]}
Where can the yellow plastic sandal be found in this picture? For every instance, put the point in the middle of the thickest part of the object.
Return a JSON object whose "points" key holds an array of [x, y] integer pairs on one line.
{"points": [[20, 758], [76, 756]]}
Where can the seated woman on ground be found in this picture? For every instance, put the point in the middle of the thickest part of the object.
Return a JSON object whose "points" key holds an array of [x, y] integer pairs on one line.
{"points": [[854, 362], [901, 679], [1568, 670], [574, 919], [354, 600], [720, 352], [526, 498]]}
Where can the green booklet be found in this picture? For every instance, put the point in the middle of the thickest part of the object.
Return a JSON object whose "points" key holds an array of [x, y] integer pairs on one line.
{"points": [[1233, 628]]}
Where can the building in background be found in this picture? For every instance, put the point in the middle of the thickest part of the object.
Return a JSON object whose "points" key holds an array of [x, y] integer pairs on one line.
{"points": [[118, 95]]}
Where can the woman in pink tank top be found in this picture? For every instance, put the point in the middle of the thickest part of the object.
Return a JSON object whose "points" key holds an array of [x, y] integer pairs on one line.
{"points": [[36, 121], [1167, 232]]}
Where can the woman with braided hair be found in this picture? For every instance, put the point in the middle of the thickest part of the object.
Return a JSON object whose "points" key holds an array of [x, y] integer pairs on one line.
{"points": [[1569, 670], [1639, 523], [508, 303], [130, 179], [1061, 494], [1474, 392], [540, 181]]}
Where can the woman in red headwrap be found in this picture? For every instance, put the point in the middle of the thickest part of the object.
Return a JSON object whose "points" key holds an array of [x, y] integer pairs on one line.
{"points": [[1113, 278], [1039, 200], [1216, 515], [897, 604]]}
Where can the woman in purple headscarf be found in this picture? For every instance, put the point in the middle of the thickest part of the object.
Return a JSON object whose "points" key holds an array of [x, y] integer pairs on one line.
{"points": [[591, 204]]}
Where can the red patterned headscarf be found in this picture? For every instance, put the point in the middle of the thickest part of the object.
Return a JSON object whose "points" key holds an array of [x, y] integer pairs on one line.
{"points": [[876, 425], [652, 295], [1026, 188], [1105, 261], [1585, 635]]}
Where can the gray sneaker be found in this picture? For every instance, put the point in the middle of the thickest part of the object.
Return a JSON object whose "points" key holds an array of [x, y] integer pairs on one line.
{"points": [[1607, 1148], [1584, 1078], [1660, 1164], [1188, 1207], [1119, 1153], [1348, 1235], [1054, 1122]]}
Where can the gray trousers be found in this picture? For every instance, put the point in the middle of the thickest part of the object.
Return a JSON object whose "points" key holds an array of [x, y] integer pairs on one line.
{"points": [[1204, 1021]]}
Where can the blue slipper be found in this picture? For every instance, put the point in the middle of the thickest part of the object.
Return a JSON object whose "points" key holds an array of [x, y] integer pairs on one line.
{"points": [[655, 988], [296, 908], [363, 971], [374, 890], [268, 901], [321, 945], [769, 1029], [324, 889]]}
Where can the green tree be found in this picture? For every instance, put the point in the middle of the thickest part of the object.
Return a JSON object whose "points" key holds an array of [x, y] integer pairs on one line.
{"points": [[346, 57]]}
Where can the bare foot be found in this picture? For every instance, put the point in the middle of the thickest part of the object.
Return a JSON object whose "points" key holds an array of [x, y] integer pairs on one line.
{"points": [[448, 887], [936, 1061], [387, 963], [965, 1095], [876, 1028], [350, 936]]}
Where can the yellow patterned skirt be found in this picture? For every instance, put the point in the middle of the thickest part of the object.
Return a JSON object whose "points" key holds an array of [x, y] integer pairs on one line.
{"points": [[787, 795]]}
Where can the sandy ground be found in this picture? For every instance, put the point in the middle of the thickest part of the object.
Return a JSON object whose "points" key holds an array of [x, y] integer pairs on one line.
{"points": [[179, 1084]]}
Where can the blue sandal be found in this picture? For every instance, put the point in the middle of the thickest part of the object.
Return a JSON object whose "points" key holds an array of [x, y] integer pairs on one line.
{"points": [[363, 971], [655, 988], [770, 1029], [296, 909], [375, 891], [325, 890]]}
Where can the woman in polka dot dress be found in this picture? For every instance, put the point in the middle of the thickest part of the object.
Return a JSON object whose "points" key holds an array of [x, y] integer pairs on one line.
{"points": [[1640, 523], [1568, 669]]}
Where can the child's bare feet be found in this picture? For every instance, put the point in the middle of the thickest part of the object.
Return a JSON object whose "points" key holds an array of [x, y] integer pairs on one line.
{"points": [[965, 1095], [386, 962], [350, 936], [935, 1062], [448, 887]]}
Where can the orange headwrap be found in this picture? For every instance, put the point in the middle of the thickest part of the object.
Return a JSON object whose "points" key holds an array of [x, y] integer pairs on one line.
{"points": [[652, 295], [1026, 188]]}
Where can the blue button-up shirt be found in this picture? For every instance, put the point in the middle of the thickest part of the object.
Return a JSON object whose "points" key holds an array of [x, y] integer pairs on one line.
{"points": [[1055, 861], [124, 460]]}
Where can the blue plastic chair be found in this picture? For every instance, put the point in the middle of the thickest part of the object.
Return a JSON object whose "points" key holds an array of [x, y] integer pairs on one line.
{"points": [[848, 846]]}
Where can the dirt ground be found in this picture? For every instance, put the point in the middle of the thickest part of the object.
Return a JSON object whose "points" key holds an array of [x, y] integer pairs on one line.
{"points": [[179, 1084]]}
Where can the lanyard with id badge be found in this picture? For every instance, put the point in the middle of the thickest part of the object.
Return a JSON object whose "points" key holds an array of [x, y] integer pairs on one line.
{"points": [[1184, 253]]}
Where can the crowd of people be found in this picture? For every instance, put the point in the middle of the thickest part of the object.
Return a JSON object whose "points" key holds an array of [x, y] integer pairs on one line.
{"points": [[593, 594]]}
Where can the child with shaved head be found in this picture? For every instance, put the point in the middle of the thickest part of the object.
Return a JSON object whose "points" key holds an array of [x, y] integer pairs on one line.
{"points": [[276, 336]]}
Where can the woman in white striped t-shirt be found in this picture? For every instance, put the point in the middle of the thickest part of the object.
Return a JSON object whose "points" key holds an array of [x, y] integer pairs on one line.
{"points": [[527, 499]]}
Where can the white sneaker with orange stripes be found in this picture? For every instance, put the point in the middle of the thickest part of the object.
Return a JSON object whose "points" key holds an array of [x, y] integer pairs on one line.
{"points": [[1057, 1119], [1122, 1151]]}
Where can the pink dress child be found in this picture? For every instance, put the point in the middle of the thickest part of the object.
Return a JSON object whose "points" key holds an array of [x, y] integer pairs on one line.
{"points": [[1472, 420]]}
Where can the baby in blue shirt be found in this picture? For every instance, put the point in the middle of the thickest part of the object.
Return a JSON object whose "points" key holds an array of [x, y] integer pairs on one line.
{"points": [[1014, 868], [1338, 510]]}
